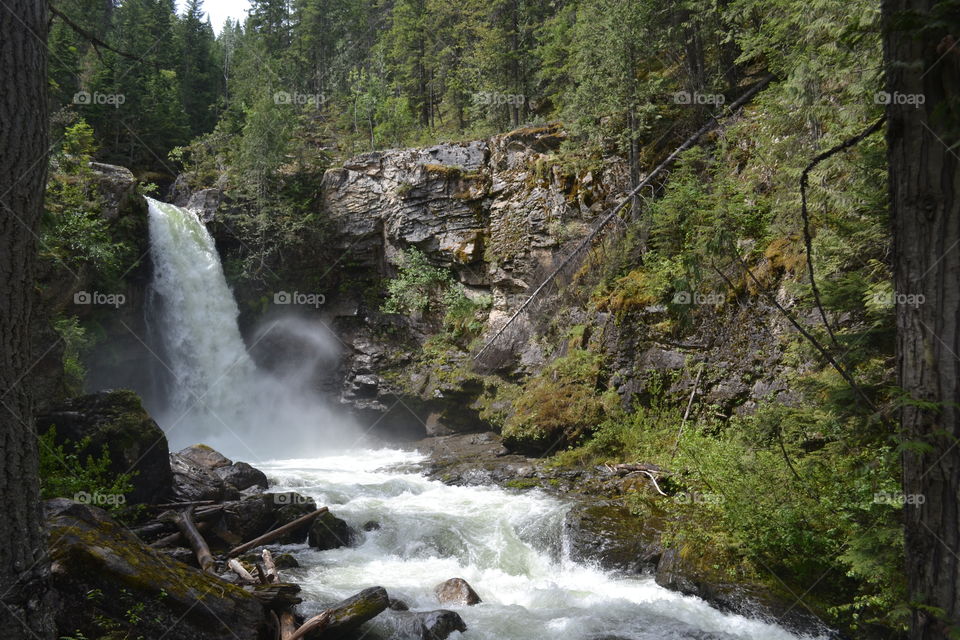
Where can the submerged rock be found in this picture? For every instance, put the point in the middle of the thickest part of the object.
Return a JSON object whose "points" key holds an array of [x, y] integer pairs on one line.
{"points": [[456, 591], [116, 420], [330, 532], [107, 580]]}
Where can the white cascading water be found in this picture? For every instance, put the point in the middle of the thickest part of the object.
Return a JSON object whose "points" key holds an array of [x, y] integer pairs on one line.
{"points": [[217, 394], [508, 545]]}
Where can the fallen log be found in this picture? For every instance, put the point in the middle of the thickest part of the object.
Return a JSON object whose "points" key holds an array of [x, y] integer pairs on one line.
{"points": [[276, 533], [288, 625], [347, 615], [189, 530], [279, 595], [238, 569], [175, 538], [182, 505], [269, 566]]}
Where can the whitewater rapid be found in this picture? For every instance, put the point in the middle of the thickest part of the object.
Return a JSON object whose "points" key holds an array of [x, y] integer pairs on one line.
{"points": [[508, 545]]}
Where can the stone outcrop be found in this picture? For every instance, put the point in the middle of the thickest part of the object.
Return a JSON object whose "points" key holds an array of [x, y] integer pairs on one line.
{"points": [[116, 420], [201, 473]]}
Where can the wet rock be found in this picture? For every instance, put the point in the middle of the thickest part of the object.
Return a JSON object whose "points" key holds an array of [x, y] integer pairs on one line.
{"points": [[456, 591], [330, 532], [398, 605], [371, 525], [425, 625], [117, 420], [609, 535], [101, 572], [255, 515], [241, 476]]}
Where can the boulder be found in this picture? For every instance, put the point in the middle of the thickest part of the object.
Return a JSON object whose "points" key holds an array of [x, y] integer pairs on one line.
{"points": [[192, 482], [330, 532], [456, 591], [117, 420], [255, 515], [425, 625], [242, 476], [612, 537], [109, 582], [117, 186], [201, 455]]}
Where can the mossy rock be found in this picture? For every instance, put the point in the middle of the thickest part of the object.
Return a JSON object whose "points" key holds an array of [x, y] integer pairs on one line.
{"points": [[117, 420], [107, 580]]}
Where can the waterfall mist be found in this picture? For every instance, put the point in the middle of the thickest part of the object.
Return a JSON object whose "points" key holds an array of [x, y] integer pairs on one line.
{"points": [[215, 392]]}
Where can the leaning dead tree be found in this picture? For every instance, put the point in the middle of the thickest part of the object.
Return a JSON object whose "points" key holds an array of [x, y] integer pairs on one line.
{"points": [[571, 264]]}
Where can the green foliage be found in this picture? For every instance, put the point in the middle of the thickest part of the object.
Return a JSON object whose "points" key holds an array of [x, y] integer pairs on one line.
{"points": [[73, 232], [76, 342], [418, 286], [560, 405], [63, 474]]}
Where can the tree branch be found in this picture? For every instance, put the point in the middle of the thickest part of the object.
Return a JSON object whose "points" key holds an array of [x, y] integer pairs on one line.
{"points": [[94, 40], [807, 238]]}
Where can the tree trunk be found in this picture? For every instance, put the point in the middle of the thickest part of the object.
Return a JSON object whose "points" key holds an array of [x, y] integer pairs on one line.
{"points": [[923, 64], [23, 170]]}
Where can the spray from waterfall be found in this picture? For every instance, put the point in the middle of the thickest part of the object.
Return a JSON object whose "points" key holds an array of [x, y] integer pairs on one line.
{"points": [[215, 392]]}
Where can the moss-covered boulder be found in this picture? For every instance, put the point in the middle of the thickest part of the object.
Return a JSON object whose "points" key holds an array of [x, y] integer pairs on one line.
{"points": [[117, 420], [609, 535], [109, 582]]}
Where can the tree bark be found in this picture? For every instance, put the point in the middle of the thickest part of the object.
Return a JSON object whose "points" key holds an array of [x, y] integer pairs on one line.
{"points": [[923, 63], [23, 170]]}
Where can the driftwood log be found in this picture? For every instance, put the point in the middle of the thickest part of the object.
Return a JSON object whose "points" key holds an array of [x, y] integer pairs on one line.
{"points": [[189, 530], [279, 595], [238, 569], [276, 533], [176, 538], [348, 614], [269, 566], [288, 625]]}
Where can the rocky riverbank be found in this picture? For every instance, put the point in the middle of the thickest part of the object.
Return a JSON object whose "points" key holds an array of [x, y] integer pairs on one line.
{"points": [[602, 529]]}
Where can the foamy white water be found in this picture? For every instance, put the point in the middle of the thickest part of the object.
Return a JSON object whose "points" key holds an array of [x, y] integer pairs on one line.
{"points": [[217, 394], [507, 545]]}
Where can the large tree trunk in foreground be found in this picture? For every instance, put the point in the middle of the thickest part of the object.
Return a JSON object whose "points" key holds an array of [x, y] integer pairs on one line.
{"points": [[923, 64], [23, 163]]}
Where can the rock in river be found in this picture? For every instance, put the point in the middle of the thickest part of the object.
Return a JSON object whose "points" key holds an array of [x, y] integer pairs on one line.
{"points": [[456, 591]]}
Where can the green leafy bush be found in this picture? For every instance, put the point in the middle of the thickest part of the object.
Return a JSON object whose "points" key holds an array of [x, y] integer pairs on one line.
{"points": [[63, 474]]}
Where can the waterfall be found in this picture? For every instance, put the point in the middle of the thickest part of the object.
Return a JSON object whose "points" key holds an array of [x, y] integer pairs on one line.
{"points": [[215, 393]]}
